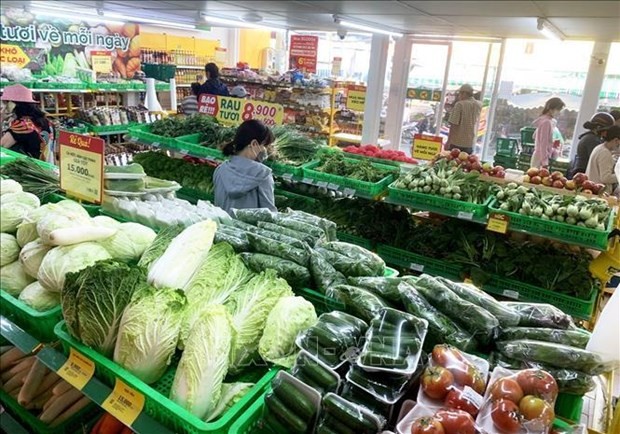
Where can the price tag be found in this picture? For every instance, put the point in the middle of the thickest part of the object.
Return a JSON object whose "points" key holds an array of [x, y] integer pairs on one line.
{"points": [[333, 186], [77, 370], [349, 192], [81, 166], [288, 177], [124, 403], [465, 215], [322, 184], [308, 181], [472, 396], [417, 267], [510, 294], [101, 61], [425, 147], [498, 223]]}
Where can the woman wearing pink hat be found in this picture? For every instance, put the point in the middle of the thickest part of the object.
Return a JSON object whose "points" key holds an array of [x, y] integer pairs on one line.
{"points": [[29, 132]]}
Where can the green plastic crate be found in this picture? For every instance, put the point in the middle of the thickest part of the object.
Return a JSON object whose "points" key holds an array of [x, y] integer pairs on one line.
{"points": [[374, 160], [280, 169], [158, 71], [99, 129], [143, 133], [38, 324], [321, 303], [506, 147], [251, 421], [419, 263], [76, 424], [525, 292], [354, 239], [391, 272], [372, 189], [569, 406], [157, 404], [506, 162], [190, 144], [438, 204], [527, 135], [294, 200], [194, 195], [568, 233]]}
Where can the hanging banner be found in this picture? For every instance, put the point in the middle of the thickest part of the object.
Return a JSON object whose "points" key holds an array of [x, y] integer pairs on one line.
{"points": [[81, 166], [303, 52], [68, 44], [13, 55], [232, 111], [356, 97], [221, 55], [425, 147]]}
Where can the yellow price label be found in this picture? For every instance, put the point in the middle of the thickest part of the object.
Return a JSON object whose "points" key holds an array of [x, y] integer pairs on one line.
{"points": [[356, 97], [77, 370], [81, 166], [124, 403], [498, 223], [425, 147]]}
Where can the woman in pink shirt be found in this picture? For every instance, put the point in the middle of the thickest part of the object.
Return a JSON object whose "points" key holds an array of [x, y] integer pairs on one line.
{"points": [[543, 136]]}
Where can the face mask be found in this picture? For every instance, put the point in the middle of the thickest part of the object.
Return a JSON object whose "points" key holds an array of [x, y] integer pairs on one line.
{"points": [[261, 155]]}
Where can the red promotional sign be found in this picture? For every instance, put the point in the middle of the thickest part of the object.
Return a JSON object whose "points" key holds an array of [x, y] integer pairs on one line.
{"points": [[81, 166], [303, 52], [207, 104]]}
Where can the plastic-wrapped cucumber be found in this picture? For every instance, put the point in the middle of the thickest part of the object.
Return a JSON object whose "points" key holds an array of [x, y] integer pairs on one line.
{"points": [[341, 319], [441, 329], [557, 355], [360, 396], [287, 231], [238, 243], [540, 315], [254, 215], [328, 226], [293, 242], [385, 287], [506, 316], [353, 260], [360, 302], [282, 250], [573, 337], [300, 226], [357, 418], [323, 273], [384, 385], [296, 275], [473, 318], [315, 374]]}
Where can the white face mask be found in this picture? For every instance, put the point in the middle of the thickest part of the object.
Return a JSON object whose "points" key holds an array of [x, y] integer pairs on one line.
{"points": [[262, 154]]}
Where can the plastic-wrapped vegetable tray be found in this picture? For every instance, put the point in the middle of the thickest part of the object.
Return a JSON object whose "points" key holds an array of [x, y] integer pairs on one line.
{"points": [[38, 324], [157, 405], [572, 234], [190, 145], [419, 263], [371, 189], [439, 205]]}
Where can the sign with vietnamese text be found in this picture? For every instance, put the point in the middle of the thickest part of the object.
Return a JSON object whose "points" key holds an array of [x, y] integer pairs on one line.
{"points": [[81, 166], [13, 55], [425, 147], [423, 94], [232, 111], [101, 61], [124, 403], [303, 52], [356, 97]]}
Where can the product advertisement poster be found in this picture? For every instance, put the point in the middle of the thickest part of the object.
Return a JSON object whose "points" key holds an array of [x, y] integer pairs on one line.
{"points": [[303, 52], [56, 46]]}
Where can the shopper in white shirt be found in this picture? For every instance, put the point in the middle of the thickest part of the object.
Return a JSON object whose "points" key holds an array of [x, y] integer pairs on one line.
{"points": [[601, 165]]}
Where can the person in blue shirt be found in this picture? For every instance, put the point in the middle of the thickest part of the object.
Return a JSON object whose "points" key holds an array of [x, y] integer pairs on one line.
{"points": [[213, 85]]}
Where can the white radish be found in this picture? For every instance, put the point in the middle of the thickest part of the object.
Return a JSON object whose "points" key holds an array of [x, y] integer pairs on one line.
{"points": [[80, 234]]}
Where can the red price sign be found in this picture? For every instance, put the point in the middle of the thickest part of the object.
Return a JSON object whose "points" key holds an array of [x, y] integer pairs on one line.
{"points": [[269, 114], [208, 104]]}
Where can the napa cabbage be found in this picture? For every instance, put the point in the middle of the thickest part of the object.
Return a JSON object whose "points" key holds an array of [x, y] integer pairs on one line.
{"points": [[250, 308], [159, 245], [21, 197], [31, 257], [13, 278], [9, 249], [290, 316], [129, 242], [149, 331], [197, 384], [67, 259], [231, 394], [39, 298]]}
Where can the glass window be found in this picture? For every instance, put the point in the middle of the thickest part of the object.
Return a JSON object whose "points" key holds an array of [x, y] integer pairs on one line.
{"points": [[609, 97]]}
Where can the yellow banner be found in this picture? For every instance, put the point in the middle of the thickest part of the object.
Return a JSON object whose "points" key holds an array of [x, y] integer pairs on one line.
{"points": [[232, 111], [425, 147], [356, 98], [13, 55]]}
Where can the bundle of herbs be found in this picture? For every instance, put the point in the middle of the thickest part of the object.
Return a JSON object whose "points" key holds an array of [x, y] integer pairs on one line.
{"points": [[293, 147], [362, 170], [33, 178]]}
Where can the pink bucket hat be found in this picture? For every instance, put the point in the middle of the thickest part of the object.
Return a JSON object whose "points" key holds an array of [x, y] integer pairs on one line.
{"points": [[17, 93]]}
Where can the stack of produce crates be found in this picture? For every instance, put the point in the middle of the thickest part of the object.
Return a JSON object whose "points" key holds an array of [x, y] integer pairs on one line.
{"points": [[506, 152], [527, 148]]}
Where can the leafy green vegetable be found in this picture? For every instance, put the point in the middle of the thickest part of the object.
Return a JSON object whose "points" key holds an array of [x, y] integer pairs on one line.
{"points": [[358, 301], [129, 242], [148, 332], [293, 147], [362, 170], [13, 278], [39, 298], [324, 274], [9, 249], [12, 214], [352, 260], [296, 275], [31, 257], [282, 250], [159, 245], [573, 337], [231, 394]]}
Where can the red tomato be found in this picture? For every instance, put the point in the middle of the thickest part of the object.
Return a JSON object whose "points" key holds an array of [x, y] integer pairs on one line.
{"points": [[456, 421], [447, 356], [436, 381], [506, 388], [427, 425], [506, 417], [466, 374], [532, 408], [538, 383], [456, 399]]}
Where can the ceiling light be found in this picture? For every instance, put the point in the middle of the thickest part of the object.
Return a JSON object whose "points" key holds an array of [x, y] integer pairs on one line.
{"points": [[76, 16], [549, 30], [149, 21], [234, 23], [365, 28]]}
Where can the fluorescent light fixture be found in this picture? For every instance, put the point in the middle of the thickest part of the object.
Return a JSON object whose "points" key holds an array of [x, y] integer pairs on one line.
{"points": [[549, 30], [236, 23], [149, 21], [365, 28], [75, 16]]}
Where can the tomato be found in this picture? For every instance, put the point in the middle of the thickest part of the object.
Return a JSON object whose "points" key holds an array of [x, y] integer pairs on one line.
{"points": [[427, 425], [436, 381], [456, 421], [506, 417], [447, 356], [532, 408], [457, 399], [469, 375], [538, 383], [506, 388]]}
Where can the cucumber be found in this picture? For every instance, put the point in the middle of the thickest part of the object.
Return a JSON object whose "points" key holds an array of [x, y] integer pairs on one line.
{"points": [[325, 429], [337, 426], [393, 316], [401, 350], [273, 422], [318, 373], [324, 337], [300, 375], [286, 417], [384, 360], [361, 379], [345, 319], [295, 400], [349, 414]]}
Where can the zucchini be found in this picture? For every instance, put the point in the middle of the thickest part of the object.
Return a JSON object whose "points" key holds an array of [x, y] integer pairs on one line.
{"points": [[325, 337], [287, 418], [402, 350], [295, 400], [321, 352], [350, 414]]}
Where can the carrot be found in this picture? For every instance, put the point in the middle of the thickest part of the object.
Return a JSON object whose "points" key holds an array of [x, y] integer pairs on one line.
{"points": [[5, 348], [25, 363], [95, 429], [50, 380], [111, 425], [40, 400], [62, 387], [77, 406], [16, 380], [32, 382], [10, 356], [59, 405]]}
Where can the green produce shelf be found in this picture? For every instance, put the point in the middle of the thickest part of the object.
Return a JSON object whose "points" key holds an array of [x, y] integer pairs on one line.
{"points": [[370, 189], [106, 129], [280, 169], [440, 205], [55, 85], [190, 145], [193, 195], [38, 324], [157, 404], [571, 234], [143, 133], [294, 200], [374, 160], [321, 303], [354, 239], [419, 263], [525, 292], [569, 406]]}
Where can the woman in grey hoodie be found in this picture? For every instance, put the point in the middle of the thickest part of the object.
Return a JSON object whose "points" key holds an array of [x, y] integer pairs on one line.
{"points": [[243, 181]]}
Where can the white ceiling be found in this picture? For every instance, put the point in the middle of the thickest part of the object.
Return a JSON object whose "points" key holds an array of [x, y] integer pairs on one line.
{"points": [[589, 20]]}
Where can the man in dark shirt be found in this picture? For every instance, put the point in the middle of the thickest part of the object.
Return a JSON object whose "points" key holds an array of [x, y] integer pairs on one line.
{"points": [[213, 85]]}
